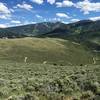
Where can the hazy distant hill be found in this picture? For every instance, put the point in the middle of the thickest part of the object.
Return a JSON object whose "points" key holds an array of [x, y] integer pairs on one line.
{"points": [[32, 29]]}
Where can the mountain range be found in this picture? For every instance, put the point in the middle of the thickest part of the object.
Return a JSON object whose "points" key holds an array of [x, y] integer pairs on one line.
{"points": [[52, 29]]}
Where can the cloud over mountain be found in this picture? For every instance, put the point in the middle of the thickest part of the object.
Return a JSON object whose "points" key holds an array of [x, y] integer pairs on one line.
{"points": [[37, 1], [62, 15], [86, 6], [24, 6], [65, 3], [95, 18]]}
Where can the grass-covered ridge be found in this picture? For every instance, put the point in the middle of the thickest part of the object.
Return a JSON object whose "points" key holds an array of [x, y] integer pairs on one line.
{"points": [[51, 50]]}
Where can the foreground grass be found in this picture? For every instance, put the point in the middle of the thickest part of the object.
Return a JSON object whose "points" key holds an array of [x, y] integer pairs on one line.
{"points": [[29, 81]]}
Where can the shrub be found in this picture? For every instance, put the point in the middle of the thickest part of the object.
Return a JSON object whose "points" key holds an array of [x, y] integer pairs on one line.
{"points": [[91, 86], [87, 95], [54, 64], [30, 97], [97, 97], [29, 88], [55, 96], [68, 91], [4, 91]]}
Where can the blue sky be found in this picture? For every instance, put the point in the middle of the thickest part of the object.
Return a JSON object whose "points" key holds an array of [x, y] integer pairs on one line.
{"points": [[21, 12]]}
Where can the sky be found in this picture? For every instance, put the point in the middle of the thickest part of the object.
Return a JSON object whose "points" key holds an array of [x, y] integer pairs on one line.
{"points": [[22, 12]]}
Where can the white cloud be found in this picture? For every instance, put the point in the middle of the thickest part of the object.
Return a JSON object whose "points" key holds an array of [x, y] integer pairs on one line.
{"points": [[95, 18], [37, 1], [3, 26], [51, 1], [5, 12], [24, 6], [5, 16], [86, 6], [55, 19], [15, 21], [33, 22], [65, 22], [4, 9], [65, 3], [12, 10], [45, 20], [27, 22], [74, 20], [62, 15], [38, 16]]}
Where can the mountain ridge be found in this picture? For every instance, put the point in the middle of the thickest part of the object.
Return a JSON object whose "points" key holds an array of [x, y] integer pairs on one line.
{"points": [[45, 27]]}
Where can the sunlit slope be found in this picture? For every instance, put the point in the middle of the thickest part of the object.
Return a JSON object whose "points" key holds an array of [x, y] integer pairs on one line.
{"points": [[49, 50]]}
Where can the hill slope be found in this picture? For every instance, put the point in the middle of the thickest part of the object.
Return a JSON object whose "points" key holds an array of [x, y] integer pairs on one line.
{"points": [[53, 51]]}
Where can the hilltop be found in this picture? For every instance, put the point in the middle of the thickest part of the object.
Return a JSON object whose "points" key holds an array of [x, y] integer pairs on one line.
{"points": [[53, 51]]}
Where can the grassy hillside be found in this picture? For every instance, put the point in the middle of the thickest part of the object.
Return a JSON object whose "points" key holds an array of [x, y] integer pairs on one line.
{"points": [[38, 50], [23, 81]]}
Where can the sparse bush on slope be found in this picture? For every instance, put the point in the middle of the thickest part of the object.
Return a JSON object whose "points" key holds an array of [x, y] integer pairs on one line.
{"points": [[23, 81]]}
